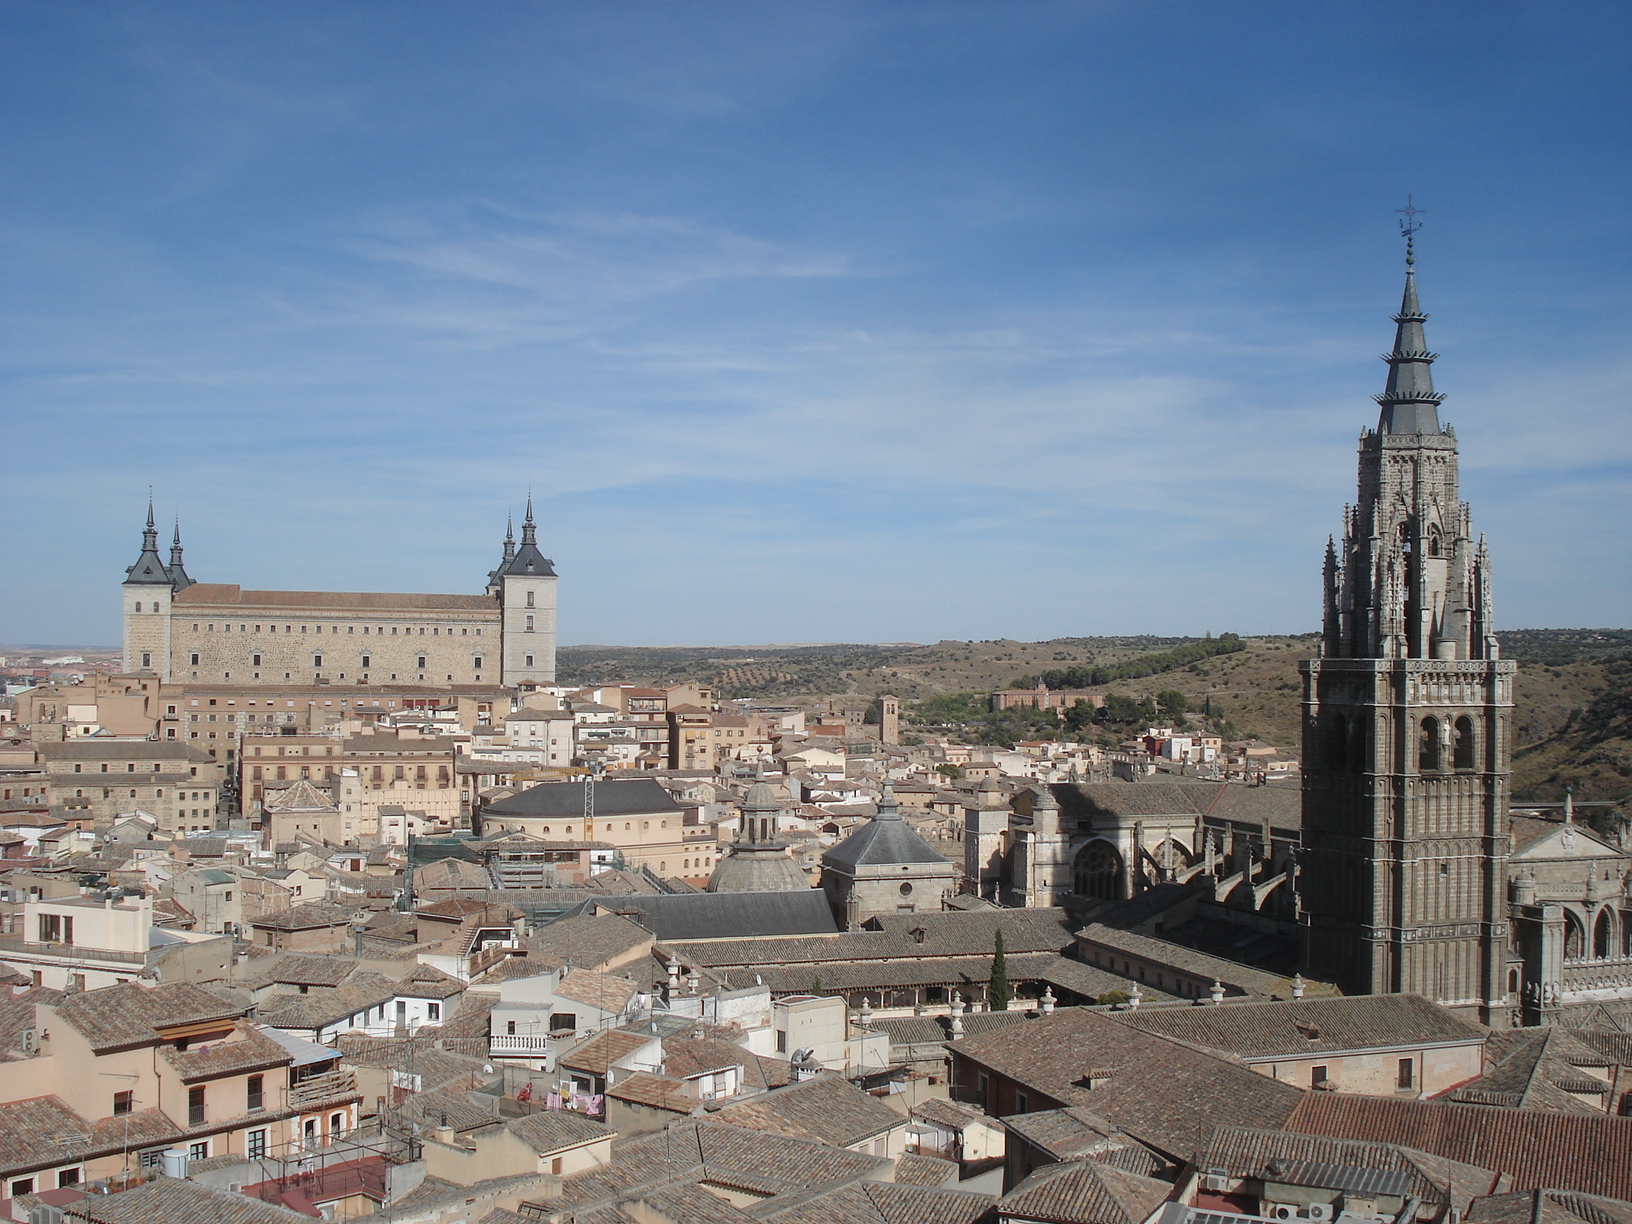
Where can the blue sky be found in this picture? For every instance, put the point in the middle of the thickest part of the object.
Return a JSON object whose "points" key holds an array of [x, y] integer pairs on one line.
{"points": [[804, 321]]}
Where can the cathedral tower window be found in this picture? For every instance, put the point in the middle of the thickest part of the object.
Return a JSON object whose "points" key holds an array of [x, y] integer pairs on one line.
{"points": [[1428, 747], [1463, 754]]}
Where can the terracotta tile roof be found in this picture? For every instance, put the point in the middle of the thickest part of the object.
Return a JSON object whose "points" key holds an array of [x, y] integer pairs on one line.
{"points": [[890, 1203], [602, 1050], [828, 1109], [1086, 1190], [1172, 1111], [429, 982], [1077, 1134], [729, 1156], [1309, 1026], [252, 1051], [1537, 1068], [297, 969], [171, 1201], [913, 1169], [28, 1128], [588, 941], [1253, 981], [1536, 1149], [656, 1091], [556, 1130], [609, 994], [304, 917], [120, 1016], [1549, 1207], [314, 1011], [1247, 1152]]}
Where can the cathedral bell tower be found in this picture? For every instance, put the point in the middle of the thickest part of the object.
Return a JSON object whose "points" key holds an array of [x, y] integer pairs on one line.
{"points": [[1407, 720]]}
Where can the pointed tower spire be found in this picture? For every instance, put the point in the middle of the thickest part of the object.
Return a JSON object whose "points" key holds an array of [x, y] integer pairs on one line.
{"points": [[1410, 405], [178, 573], [509, 537], [148, 570], [529, 530]]}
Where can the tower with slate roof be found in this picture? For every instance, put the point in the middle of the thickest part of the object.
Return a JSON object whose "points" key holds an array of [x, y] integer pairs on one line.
{"points": [[885, 867], [1407, 721], [525, 586], [146, 595]]}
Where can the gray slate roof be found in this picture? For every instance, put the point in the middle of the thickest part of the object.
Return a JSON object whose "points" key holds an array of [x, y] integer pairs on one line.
{"points": [[726, 915], [620, 797]]}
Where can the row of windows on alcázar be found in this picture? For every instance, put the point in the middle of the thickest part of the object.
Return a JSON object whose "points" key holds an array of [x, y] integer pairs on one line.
{"points": [[182, 630]]}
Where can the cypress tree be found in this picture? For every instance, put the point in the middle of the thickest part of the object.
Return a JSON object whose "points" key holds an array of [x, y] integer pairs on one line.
{"points": [[998, 993]]}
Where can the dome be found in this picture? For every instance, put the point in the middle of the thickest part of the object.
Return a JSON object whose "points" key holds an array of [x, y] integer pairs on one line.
{"points": [[757, 869], [761, 797]]}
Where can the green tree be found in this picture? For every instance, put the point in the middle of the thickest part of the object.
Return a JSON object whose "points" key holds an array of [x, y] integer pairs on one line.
{"points": [[998, 994], [1111, 997], [1080, 716], [1174, 704]]}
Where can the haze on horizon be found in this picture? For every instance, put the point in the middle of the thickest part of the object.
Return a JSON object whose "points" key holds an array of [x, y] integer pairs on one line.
{"points": [[839, 323]]}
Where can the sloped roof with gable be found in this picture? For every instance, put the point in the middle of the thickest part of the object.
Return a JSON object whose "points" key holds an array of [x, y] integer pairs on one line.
{"points": [[601, 1051], [252, 1051], [1086, 1190], [1536, 1149], [1535, 1069], [299, 796], [173, 1201], [124, 1015], [828, 1109], [600, 990], [556, 1130], [28, 1128], [1309, 1026], [1172, 1109], [1248, 1152]]}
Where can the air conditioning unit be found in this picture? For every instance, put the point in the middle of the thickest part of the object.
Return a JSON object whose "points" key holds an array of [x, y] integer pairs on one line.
{"points": [[1283, 1211], [1320, 1211], [1216, 1181]]}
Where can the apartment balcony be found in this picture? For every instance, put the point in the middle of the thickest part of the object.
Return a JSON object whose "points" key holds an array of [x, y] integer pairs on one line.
{"points": [[303, 1094], [530, 1045]]}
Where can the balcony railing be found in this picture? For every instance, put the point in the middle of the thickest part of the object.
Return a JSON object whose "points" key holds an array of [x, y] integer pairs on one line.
{"points": [[500, 1043], [18, 946], [320, 1088]]}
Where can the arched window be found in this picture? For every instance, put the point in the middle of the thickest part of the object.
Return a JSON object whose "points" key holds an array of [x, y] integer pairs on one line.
{"points": [[1433, 541], [1603, 936], [1464, 743], [1337, 744], [1097, 872], [1428, 748], [1575, 937]]}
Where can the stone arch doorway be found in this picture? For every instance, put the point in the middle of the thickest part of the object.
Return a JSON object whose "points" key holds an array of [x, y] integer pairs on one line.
{"points": [[1097, 872]]}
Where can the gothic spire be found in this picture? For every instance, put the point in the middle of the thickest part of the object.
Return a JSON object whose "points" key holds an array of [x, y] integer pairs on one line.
{"points": [[178, 573], [509, 537], [1410, 405]]}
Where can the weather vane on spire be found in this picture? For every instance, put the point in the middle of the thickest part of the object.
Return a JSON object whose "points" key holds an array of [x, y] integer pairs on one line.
{"points": [[1409, 225]]}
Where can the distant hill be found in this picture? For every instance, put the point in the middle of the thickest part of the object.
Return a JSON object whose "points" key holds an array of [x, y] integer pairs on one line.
{"points": [[1570, 726]]}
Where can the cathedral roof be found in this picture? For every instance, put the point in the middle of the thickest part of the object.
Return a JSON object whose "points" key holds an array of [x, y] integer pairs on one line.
{"points": [[883, 840], [756, 869]]}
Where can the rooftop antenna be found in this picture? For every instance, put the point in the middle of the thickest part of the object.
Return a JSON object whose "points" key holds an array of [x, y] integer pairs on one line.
{"points": [[1409, 225]]}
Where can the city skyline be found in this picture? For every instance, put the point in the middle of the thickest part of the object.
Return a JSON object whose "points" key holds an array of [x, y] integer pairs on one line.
{"points": [[850, 324]]}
